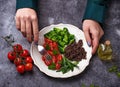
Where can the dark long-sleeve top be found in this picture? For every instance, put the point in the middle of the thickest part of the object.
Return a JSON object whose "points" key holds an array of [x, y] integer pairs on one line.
{"points": [[95, 9]]}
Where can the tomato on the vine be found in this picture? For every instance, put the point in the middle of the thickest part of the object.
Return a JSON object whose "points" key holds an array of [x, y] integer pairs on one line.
{"points": [[24, 53], [17, 48], [21, 68], [28, 66], [11, 55], [19, 56], [28, 59], [17, 61]]}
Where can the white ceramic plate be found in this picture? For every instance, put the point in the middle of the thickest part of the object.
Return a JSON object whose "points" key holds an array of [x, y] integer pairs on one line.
{"points": [[43, 68]]}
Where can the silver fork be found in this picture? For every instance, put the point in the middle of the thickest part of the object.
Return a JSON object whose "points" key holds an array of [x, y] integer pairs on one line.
{"points": [[43, 51]]}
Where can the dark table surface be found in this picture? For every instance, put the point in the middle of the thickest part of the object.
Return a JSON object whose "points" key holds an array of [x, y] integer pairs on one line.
{"points": [[59, 11]]}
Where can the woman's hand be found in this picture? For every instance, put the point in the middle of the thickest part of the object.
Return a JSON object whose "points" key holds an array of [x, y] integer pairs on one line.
{"points": [[93, 32], [27, 22]]}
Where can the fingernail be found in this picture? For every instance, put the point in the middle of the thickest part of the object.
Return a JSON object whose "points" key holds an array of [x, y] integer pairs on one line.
{"points": [[89, 44]]}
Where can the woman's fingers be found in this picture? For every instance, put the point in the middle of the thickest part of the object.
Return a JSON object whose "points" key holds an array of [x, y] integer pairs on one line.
{"points": [[87, 35], [93, 32], [28, 29], [17, 20], [95, 43], [27, 23], [23, 24], [35, 28]]}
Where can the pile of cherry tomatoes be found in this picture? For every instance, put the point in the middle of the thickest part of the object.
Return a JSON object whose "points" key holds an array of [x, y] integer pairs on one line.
{"points": [[54, 62], [21, 58]]}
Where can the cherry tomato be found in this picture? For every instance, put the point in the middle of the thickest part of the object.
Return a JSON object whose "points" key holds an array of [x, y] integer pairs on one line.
{"points": [[17, 48], [59, 57], [28, 59], [43, 58], [50, 52], [21, 68], [28, 66], [11, 55], [55, 46], [57, 66], [48, 62], [54, 59], [46, 46], [18, 61], [24, 53], [51, 46], [47, 40]]}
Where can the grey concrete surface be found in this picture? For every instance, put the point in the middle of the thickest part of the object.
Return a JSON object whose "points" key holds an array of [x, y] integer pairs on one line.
{"points": [[59, 11]]}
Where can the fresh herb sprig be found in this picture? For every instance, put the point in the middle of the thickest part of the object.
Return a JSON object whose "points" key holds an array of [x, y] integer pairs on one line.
{"points": [[9, 39]]}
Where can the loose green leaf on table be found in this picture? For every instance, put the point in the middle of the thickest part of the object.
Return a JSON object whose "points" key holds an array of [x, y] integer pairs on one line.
{"points": [[115, 69]]}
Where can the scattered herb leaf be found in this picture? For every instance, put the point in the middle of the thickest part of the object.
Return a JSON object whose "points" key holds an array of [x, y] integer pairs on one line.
{"points": [[9, 39], [114, 69]]}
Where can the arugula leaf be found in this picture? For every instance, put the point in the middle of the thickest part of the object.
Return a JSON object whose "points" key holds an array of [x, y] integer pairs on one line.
{"points": [[52, 66], [47, 47], [55, 52]]}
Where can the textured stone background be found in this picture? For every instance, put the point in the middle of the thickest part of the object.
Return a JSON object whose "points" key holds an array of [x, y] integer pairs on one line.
{"points": [[59, 11]]}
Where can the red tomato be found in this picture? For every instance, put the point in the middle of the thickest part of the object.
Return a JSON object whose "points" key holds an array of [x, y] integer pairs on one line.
{"points": [[28, 59], [48, 62], [48, 40], [44, 45], [55, 46], [59, 57], [11, 55], [28, 66], [24, 53], [50, 52], [21, 69], [51, 46], [43, 58], [54, 60], [57, 66], [18, 61], [17, 48]]}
